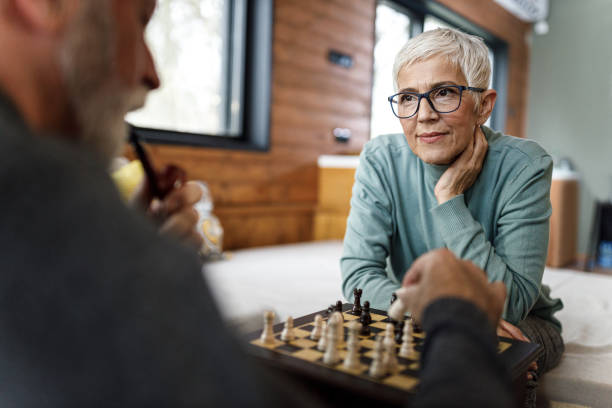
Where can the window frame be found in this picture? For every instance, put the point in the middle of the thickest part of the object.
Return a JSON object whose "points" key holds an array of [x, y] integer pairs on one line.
{"points": [[254, 128], [417, 10]]}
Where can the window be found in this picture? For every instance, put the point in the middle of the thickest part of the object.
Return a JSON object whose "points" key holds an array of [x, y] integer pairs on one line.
{"points": [[214, 61], [399, 20]]}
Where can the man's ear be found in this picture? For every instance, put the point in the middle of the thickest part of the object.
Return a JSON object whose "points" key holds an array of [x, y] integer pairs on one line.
{"points": [[48, 16], [487, 102]]}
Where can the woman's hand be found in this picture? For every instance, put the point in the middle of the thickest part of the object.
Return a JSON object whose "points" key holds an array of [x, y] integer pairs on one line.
{"points": [[464, 171], [509, 330]]}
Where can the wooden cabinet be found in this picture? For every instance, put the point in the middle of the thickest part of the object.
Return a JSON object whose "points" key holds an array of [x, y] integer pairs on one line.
{"points": [[335, 184], [563, 222]]}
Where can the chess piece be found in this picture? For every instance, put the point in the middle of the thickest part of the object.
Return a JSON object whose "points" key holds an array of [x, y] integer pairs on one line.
{"points": [[322, 344], [397, 310], [287, 333], [407, 348], [315, 334], [357, 302], [365, 314], [390, 357], [338, 307], [339, 327], [332, 356], [389, 334], [267, 335], [365, 319], [399, 329], [351, 361], [377, 368]]}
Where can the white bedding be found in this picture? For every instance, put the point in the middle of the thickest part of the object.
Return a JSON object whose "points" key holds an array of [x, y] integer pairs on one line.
{"points": [[294, 280]]}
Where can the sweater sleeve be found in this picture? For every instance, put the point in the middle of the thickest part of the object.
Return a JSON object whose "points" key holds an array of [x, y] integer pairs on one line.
{"points": [[518, 252], [368, 236]]}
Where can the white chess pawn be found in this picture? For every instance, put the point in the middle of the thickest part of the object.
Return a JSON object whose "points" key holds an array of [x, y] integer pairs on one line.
{"points": [[315, 334], [267, 335], [351, 361], [287, 333], [389, 334], [332, 356], [340, 327], [322, 345], [377, 368], [407, 348], [390, 358]]}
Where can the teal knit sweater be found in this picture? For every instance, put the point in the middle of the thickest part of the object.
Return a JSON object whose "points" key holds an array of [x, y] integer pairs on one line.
{"points": [[500, 223]]}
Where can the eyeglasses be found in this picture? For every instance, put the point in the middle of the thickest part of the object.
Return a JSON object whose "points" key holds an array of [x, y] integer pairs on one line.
{"points": [[443, 99]]}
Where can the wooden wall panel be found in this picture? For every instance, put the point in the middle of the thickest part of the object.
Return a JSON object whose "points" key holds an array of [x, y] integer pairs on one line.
{"points": [[265, 198]]}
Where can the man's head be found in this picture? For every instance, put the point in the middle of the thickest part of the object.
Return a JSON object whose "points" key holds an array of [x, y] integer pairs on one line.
{"points": [[90, 66]]}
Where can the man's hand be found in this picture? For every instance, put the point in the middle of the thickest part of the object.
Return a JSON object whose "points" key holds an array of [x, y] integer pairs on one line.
{"points": [[439, 274], [174, 214], [465, 169]]}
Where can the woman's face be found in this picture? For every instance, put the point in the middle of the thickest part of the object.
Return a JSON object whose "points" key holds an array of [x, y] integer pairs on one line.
{"points": [[437, 138]]}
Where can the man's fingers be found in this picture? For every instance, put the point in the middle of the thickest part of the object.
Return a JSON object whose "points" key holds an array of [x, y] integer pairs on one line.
{"points": [[185, 196], [180, 224], [409, 296]]}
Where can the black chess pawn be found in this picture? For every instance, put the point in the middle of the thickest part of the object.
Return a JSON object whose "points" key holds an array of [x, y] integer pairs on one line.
{"points": [[365, 314], [365, 319], [338, 307], [357, 305], [399, 331]]}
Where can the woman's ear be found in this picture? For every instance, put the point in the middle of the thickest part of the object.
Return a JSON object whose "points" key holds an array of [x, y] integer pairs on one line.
{"points": [[487, 102]]}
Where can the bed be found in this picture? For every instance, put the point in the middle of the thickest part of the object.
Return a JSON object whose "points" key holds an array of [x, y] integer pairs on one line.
{"points": [[293, 280]]}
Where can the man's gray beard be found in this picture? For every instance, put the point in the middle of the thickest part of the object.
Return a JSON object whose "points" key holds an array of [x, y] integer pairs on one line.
{"points": [[88, 64]]}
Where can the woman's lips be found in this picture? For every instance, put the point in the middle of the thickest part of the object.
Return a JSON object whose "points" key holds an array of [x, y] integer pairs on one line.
{"points": [[431, 137]]}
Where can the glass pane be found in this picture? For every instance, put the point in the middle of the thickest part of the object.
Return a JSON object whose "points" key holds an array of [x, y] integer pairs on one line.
{"points": [[190, 42], [392, 32]]}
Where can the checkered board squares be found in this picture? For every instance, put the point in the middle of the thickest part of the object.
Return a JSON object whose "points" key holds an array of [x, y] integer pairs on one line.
{"points": [[305, 349]]}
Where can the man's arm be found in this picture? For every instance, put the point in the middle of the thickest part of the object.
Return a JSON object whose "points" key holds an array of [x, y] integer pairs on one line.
{"points": [[459, 309], [459, 340], [368, 236]]}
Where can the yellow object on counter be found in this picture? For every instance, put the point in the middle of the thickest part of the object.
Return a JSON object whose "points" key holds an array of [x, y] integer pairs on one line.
{"points": [[128, 178]]}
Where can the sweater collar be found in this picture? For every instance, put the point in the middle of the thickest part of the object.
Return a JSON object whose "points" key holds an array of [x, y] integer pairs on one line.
{"points": [[433, 172]]}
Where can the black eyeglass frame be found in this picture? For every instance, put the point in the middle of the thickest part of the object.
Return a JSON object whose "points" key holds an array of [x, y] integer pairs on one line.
{"points": [[425, 95]]}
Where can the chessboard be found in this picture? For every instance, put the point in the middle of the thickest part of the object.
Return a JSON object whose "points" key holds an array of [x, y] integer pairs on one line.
{"points": [[301, 357]]}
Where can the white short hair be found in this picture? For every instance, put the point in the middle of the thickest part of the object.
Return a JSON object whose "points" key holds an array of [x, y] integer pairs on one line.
{"points": [[467, 52]]}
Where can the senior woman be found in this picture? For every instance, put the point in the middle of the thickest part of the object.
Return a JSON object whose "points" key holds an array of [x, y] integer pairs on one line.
{"points": [[451, 182]]}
